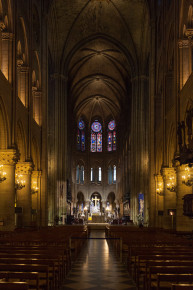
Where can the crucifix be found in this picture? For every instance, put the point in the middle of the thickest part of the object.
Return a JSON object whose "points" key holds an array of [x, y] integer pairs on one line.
{"points": [[95, 199]]}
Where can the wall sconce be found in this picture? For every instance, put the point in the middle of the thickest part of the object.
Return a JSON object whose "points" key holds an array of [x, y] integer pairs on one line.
{"points": [[19, 182], [171, 185], [187, 178], [2, 174], [34, 188], [159, 188]]}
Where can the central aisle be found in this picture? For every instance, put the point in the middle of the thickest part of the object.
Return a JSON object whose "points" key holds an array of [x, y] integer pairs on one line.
{"points": [[97, 268]]}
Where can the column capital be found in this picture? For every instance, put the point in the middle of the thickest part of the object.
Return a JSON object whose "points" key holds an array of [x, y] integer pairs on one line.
{"points": [[9, 156], [184, 43], [168, 172], [24, 167], [7, 35], [36, 173]]}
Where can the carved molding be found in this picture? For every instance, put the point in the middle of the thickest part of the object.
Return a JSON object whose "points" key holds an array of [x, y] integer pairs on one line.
{"points": [[9, 156], [24, 168], [7, 36], [36, 173], [184, 43]]}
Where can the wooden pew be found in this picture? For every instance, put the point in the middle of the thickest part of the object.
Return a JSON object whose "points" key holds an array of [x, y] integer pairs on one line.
{"points": [[165, 280], [155, 270], [43, 271], [182, 287], [14, 286], [31, 278]]}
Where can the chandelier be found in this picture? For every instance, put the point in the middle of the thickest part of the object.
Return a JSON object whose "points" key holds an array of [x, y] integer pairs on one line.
{"points": [[2, 174], [187, 178], [19, 182], [34, 188], [171, 185]]}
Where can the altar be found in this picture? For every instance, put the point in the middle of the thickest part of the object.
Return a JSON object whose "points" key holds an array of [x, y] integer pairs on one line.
{"points": [[98, 219]]}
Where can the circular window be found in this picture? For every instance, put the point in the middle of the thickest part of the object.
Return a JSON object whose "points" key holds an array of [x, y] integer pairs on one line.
{"points": [[111, 125], [96, 126], [81, 125]]}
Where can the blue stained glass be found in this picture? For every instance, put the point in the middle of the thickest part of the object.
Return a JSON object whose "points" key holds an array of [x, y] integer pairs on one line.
{"points": [[81, 125], [99, 142], [93, 142], [109, 141], [114, 141], [112, 125], [83, 141], [96, 126]]}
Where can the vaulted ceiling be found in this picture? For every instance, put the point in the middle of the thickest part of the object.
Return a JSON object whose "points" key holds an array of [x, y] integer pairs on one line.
{"points": [[99, 45]]}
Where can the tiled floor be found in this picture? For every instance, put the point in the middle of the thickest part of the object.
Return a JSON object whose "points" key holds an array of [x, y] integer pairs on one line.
{"points": [[97, 268]]}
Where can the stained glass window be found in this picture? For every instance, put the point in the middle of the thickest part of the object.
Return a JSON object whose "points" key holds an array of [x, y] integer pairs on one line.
{"points": [[99, 142], [81, 136], [100, 175], [111, 136], [96, 137], [77, 174], [82, 174], [114, 174], [114, 141], [91, 175], [93, 142], [110, 175], [110, 143]]}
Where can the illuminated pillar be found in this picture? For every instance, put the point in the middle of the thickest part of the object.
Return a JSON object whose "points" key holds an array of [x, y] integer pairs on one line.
{"points": [[183, 223], [159, 195], [23, 82], [169, 196], [37, 97], [36, 197], [24, 198], [6, 53], [7, 190], [185, 60]]}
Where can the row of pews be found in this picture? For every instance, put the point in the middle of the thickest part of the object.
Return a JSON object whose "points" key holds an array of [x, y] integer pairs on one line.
{"points": [[39, 259], [155, 259]]}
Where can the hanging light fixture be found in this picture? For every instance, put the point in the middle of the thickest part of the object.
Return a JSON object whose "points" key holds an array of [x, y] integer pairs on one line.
{"points": [[19, 182], [2, 174], [34, 188], [171, 185], [187, 178]]}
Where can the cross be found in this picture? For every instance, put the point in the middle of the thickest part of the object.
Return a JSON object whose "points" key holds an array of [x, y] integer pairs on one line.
{"points": [[95, 199]]}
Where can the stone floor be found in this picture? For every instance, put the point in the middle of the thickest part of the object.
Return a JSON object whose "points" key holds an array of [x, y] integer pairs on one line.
{"points": [[97, 268]]}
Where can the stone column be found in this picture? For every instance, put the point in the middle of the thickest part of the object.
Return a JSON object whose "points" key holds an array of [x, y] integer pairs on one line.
{"points": [[36, 196], [37, 111], [159, 200], [6, 61], [7, 189], [183, 223], [23, 82], [184, 53], [169, 196], [23, 196]]}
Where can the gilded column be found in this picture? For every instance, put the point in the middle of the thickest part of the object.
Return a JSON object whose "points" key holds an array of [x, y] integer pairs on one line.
{"points": [[23, 196], [7, 190], [36, 196], [169, 177]]}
